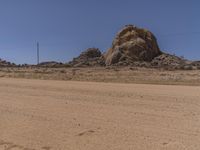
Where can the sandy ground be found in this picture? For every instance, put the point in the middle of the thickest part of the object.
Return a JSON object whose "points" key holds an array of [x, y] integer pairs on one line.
{"points": [[68, 115]]}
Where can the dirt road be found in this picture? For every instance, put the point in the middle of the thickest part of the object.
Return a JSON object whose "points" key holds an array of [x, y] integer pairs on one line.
{"points": [[59, 115]]}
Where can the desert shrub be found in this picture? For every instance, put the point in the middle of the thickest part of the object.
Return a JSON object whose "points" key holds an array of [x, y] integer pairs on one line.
{"points": [[188, 67]]}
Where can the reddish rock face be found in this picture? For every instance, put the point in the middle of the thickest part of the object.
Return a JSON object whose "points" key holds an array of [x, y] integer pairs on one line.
{"points": [[132, 44]]}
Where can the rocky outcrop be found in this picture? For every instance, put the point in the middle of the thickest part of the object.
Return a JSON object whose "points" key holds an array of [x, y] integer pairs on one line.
{"points": [[4, 63], [174, 62], [168, 60], [132, 44], [50, 64], [90, 57]]}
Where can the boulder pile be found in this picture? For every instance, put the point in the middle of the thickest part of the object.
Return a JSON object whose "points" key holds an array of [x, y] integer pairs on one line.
{"points": [[89, 57]]}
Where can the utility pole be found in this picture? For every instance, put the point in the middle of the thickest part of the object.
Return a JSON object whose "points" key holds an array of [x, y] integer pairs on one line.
{"points": [[38, 53]]}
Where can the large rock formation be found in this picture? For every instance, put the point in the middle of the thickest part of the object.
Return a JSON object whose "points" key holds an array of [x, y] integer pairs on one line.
{"points": [[89, 57], [132, 44]]}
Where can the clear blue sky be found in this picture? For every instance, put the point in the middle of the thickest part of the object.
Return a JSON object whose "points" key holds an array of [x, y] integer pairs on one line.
{"points": [[64, 28]]}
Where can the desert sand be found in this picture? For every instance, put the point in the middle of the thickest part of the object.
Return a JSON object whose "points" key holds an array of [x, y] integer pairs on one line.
{"points": [[70, 115]]}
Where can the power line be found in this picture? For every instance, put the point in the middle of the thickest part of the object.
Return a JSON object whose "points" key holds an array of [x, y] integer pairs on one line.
{"points": [[38, 53]]}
